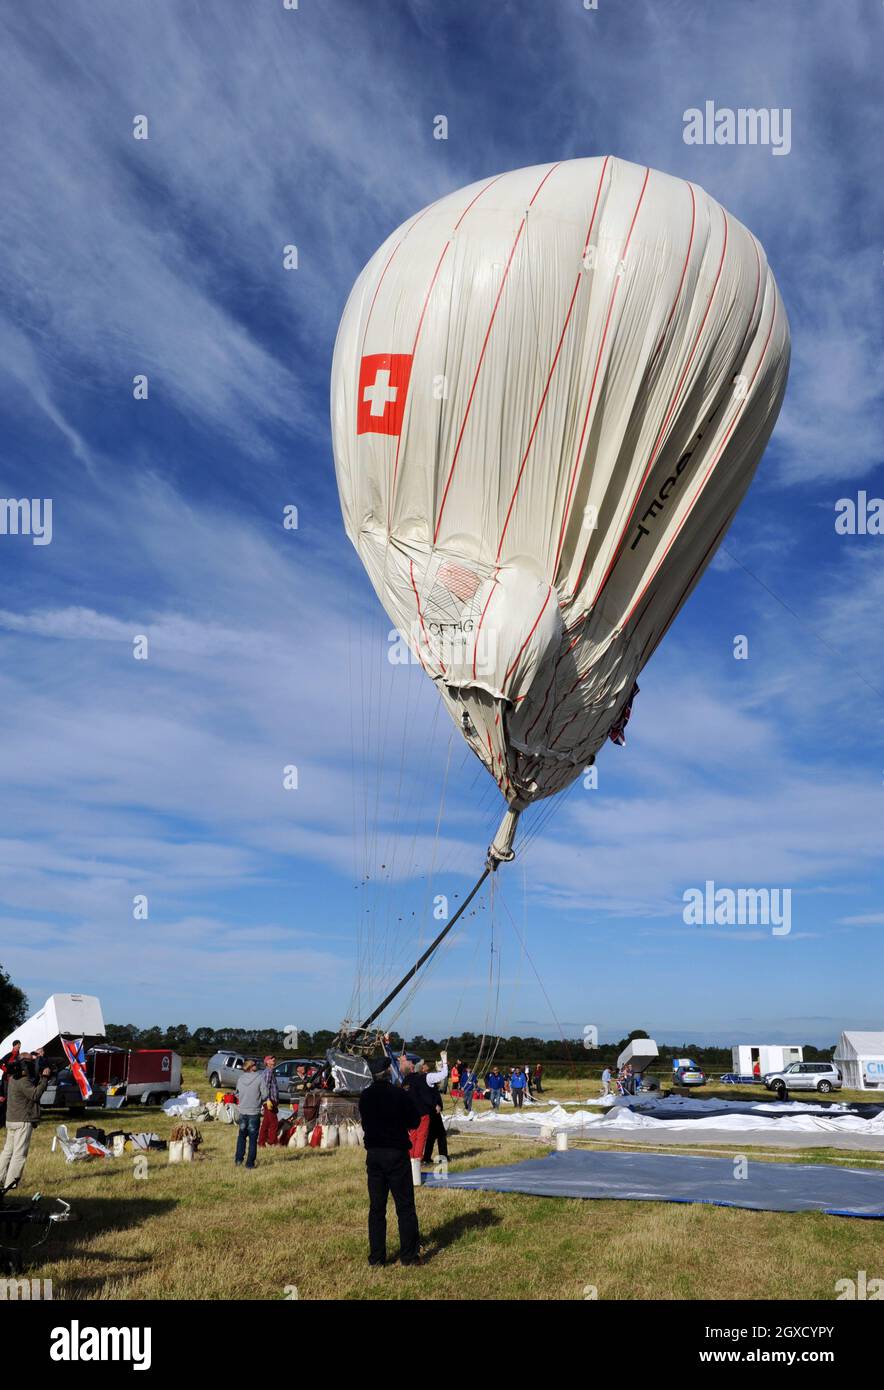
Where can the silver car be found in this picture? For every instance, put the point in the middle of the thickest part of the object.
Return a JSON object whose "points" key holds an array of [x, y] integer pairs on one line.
{"points": [[289, 1081], [225, 1068], [806, 1076]]}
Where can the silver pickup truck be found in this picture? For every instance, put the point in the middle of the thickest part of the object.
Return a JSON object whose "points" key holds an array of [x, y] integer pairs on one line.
{"points": [[224, 1068]]}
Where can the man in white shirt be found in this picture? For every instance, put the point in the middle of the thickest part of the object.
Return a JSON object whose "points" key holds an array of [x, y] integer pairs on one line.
{"points": [[436, 1132]]}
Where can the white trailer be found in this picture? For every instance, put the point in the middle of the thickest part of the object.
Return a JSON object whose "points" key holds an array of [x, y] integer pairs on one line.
{"points": [[74, 1015], [641, 1052], [769, 1056]]}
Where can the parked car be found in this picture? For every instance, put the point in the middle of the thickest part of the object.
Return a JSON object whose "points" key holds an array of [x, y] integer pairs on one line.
{"points": [[286, 1074], [685, 1072], [223, 1068], [806, 1076]]}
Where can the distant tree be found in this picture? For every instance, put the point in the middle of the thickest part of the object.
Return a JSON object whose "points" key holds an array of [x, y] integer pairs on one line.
{"points": [[122, 1034], [13, 1004]]}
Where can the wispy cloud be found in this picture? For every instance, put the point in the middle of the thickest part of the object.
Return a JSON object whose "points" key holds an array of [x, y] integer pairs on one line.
{"points": [[314, 128]]}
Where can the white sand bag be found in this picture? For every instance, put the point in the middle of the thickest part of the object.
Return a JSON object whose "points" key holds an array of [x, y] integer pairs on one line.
{"points": [[329, 1138], [175, 1147], [186, 1151], [299, 1138]]}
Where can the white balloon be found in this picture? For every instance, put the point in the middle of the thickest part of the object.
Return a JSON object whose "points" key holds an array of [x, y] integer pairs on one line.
{"points": [[550, 392]]}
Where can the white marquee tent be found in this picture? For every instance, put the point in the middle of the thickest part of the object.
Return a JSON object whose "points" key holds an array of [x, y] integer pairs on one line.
{"points": [[860, 1057]]}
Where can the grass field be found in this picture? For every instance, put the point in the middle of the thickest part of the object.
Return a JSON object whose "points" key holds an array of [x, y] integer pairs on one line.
{"points": [[298, 1222]]}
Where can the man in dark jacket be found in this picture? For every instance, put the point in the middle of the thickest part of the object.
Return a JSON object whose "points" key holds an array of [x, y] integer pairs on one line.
{"points": [[23, 1112], [388, 1113]]}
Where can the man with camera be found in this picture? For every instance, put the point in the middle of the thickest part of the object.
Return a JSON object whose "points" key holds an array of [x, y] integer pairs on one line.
{"points": [[22, 1114]]}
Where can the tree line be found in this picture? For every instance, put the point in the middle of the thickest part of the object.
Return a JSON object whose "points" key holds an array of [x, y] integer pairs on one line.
{"points": [[259, 1042], [562, 1053]]}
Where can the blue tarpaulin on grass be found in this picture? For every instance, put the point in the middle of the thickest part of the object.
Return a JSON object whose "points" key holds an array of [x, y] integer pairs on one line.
{"points": [[643, 1177]]}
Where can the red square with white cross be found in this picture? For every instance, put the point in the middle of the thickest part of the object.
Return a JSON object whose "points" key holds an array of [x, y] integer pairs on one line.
{"points": [[383, 384]]}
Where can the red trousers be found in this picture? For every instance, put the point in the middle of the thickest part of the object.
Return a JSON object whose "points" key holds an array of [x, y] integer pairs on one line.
{"points": [[269, 1131], [418, 1137]]}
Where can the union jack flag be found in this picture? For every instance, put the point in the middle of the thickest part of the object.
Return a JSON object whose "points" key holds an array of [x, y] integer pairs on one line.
{"points": [[617, 732], [73, 1050]]}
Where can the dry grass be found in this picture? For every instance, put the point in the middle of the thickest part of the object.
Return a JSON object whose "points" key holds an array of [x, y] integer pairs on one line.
{"points": [[209, 1231]]}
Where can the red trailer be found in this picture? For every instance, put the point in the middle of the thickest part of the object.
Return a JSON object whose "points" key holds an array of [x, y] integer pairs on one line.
{"points": [[146, 1074]]}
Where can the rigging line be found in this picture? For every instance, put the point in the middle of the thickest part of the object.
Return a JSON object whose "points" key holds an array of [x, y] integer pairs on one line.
{"points": [[393, 958], [417, 820], [433, 946], [803, 621], [543, 991], [381, 897], [521, 957], [392, 848], [545, 816], [354, 1004], [373, 777], [424, 911], [370, 706], [496, 1018], [363, 749], [418, 984], [490, 983], [463, 991]]}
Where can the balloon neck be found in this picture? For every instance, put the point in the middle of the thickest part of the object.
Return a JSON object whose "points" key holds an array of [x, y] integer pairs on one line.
{"points": [[501, 851]]}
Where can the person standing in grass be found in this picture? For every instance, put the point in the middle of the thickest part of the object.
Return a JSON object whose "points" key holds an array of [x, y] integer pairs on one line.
{"points": [[496, 1083], [251, 1093], [468, 1085], [389, 1114], [5, 1063], [538, 1078], [269, 1130], [23, 1106], [436, 1134], [419, 1082], [606, 1081], [517, 1087]]}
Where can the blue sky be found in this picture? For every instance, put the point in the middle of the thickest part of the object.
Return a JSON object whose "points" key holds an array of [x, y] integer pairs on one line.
{"points": [[164, 777]]}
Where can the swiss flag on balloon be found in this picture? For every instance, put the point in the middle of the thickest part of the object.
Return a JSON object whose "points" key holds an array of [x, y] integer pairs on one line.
{"points": [[383, 384]]}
